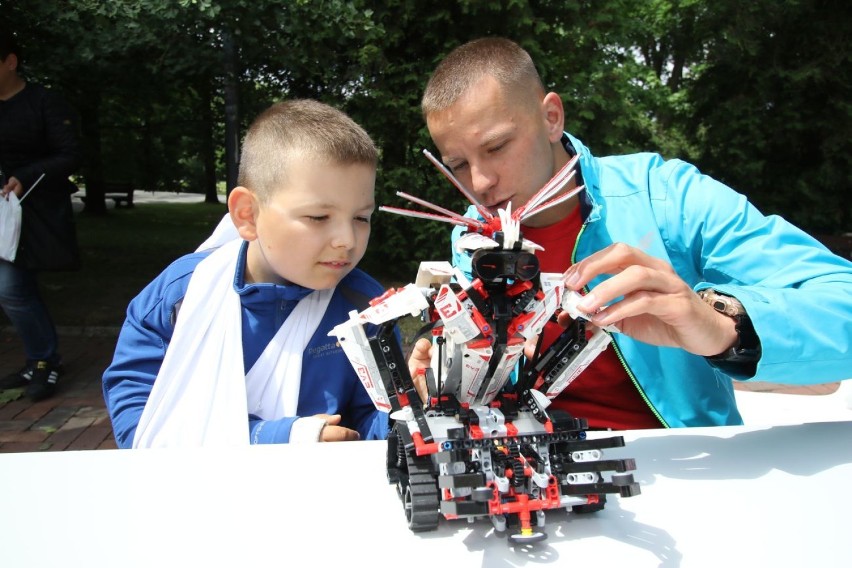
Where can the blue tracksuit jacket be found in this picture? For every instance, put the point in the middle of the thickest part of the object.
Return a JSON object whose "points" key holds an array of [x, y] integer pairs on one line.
{"points": [[329, 384]]}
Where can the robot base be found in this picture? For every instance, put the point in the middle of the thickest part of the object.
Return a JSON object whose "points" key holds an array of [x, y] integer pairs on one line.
{"points": [[501, 463]]}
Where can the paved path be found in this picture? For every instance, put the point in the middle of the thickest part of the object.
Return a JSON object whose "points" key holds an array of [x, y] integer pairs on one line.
{"points": [[75, 417], [143, 196]]}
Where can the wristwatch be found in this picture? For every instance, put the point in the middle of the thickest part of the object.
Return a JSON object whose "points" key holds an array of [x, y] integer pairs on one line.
{"points": [[746, 351]]}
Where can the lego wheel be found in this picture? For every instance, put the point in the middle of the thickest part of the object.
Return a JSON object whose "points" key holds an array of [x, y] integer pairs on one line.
{"points": [[590, 507], [417, 484], [421, 506], [528, 537], [394, 466]]}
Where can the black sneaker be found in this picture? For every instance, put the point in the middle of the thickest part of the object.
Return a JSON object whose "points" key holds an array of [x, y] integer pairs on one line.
{"points": [[18, 379], [43, 382]]}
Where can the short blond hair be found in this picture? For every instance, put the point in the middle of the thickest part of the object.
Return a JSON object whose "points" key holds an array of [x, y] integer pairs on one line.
{"points": [[498, 57], [302, 129]]}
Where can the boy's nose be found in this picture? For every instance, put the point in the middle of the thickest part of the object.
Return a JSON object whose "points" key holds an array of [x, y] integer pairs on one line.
{"points": [[344, 237]]}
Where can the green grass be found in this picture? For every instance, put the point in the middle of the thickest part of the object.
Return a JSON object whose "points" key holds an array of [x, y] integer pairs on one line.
{"points": [[10, 395], [121, 252], [126, 249]]}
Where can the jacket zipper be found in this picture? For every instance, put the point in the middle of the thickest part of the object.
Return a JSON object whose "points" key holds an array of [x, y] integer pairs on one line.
{"points": [[618, 354]]}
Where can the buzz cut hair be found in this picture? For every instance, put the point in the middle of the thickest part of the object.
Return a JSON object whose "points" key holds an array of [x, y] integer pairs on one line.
{"points": [[300, 129], [498, 57]]}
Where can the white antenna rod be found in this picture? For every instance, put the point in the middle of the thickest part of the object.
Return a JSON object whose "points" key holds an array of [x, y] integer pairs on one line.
{"points": [[556, 183], [555, 201], [430, 216], [486, 214], [432, 206]]}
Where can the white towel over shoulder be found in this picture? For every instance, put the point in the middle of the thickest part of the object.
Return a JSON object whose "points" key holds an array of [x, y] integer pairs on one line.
{"points": [[202, 396]]}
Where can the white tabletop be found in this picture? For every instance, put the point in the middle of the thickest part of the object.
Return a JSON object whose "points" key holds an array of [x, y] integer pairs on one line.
{"points": [[735, 496]]}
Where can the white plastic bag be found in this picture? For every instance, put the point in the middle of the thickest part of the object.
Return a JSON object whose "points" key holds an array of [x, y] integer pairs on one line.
{"points": [[10, 226]]}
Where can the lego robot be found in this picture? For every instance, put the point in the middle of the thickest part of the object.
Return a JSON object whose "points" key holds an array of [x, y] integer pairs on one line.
{"points": [[484, 444]]}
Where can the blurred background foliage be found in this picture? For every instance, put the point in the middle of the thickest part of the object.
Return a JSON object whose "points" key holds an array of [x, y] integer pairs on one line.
{"points": [[756, 94]]}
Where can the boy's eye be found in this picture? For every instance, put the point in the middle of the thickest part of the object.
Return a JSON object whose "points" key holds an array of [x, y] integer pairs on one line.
{"points": [[317, 219], [496, 148], [363, 220]]}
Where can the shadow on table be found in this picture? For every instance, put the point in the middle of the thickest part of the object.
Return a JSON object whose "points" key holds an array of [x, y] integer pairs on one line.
{"points": [[802, 449], [612, 523]]}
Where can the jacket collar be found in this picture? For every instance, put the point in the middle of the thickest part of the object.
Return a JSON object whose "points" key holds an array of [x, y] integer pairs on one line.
{"points": [[264, 292], [587, 174]]}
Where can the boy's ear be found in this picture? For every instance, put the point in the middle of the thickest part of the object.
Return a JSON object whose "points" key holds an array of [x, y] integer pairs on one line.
{"points": [[244, 208]]}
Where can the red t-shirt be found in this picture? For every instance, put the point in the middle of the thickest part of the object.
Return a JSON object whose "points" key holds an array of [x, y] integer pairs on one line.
{"points": [[603, 393]]}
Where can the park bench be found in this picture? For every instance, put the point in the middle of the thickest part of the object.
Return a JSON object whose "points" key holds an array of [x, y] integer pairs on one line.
{"points": [[120, 192]]}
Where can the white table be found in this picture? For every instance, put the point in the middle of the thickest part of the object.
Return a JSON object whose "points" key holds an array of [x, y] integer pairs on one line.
{"points": [[771, 408], [735, 496]]}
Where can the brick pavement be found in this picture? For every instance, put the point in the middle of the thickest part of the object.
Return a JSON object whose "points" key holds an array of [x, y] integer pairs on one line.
{"points": [[75, 417]]}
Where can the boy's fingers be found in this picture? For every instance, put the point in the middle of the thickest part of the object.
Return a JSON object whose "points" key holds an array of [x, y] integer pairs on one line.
{"points": [[339, 434]]}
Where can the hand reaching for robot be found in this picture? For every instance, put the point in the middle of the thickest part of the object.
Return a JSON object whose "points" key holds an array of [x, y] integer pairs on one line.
{"points": [[656, 306], [331, 432], [420, 359]]}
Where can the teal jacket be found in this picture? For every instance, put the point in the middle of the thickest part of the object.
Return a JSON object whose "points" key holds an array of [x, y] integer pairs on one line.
{"points": [[797, 293]]}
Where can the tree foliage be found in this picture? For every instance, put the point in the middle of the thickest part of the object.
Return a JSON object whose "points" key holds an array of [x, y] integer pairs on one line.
{"points": [[773, 108], [756, 94]]}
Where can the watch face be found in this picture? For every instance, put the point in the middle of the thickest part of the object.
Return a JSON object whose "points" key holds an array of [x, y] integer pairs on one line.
{"points": [[719, 305]]}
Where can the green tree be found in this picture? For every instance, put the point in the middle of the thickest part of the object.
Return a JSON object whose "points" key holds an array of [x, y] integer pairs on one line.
{"points": [[756, 94], [773, 108]]}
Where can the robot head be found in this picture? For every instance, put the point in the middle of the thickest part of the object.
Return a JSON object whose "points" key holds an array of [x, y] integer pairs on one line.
{"points": [[494, 265]]}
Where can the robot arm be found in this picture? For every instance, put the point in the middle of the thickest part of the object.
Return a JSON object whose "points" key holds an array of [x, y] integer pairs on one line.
{"points": [[475, 359], [357, 346]]}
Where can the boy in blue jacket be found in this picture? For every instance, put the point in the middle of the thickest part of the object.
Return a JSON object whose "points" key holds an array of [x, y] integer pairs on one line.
{"points": [[229, 345]]}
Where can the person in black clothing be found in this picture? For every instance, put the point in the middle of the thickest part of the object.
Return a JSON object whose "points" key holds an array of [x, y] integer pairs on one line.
{"points": [[39, 149]]}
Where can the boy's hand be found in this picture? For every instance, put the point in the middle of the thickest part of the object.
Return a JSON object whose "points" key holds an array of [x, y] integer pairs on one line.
{"points": [[331, 432]]}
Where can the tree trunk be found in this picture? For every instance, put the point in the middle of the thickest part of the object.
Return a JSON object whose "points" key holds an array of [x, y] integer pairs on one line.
{"points": [[92, 170], [232, 107], [208, 148]]}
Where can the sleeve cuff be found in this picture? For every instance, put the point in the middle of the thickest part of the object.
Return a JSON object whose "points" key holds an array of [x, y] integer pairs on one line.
{"points": [[306, 429]]}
